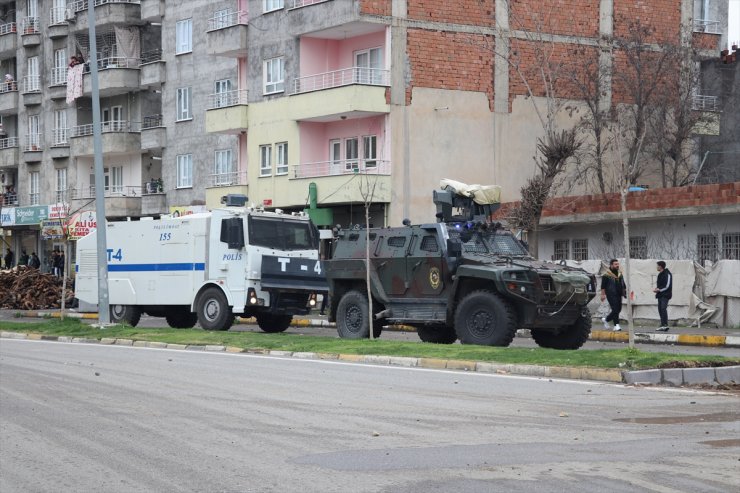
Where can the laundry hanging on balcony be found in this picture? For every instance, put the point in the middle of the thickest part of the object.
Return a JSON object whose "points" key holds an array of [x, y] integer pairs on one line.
{"points": [[74, 83]]}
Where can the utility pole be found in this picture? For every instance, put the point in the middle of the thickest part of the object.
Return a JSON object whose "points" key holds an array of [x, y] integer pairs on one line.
{"points": [[103, 305]]}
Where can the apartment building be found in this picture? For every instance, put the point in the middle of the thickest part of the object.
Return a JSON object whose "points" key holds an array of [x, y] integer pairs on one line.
{"points": [[392, 96], [155, 80]]}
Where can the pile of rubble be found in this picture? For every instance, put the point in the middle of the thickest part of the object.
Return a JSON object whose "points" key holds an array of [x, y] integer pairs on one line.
{"points": [[24, 288]]}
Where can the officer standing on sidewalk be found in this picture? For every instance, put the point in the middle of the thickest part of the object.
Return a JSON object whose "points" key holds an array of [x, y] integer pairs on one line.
{"points": [[663, 292], [613, 289]]}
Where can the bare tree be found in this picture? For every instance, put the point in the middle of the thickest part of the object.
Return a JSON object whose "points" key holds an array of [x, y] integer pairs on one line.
{"points": [[367, 192]]}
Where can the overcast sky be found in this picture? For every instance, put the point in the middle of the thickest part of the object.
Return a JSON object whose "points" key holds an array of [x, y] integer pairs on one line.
{"points": [[734, 32]]}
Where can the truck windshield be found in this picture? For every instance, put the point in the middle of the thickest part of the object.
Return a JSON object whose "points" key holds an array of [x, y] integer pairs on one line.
{"points": [[281, 234], [489, 242]]}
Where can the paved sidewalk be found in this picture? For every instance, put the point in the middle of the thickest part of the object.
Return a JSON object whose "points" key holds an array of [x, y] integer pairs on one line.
{"points": [[689, 336]]}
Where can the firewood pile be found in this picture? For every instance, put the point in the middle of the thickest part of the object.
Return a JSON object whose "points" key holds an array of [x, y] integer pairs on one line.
{"points": [[24, 288]]}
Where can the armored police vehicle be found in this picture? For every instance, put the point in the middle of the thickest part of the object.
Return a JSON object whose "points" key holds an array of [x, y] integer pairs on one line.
{"points": [[462, 277], [207, 267]]}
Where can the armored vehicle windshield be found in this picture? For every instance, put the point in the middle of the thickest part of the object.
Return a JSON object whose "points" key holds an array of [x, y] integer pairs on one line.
{"points": [[490, 242]]}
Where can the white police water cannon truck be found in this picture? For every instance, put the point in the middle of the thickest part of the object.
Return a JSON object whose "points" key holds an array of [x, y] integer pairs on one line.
{"points": [[208, 267]]}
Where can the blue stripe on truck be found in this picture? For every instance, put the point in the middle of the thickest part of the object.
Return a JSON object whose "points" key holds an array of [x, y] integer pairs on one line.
{"points": [[155, 267]]}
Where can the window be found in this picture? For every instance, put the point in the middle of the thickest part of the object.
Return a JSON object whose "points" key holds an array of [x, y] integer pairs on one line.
{"points": [[282, 234], [580, 250], [706, 248], [221, 89], [34, 81], [222, 168], [429, 244], [184, 171], [335, 154], [638, 247], [350, 154], [281, 158], [183, 104], [33, 188], [370, 151], [274, 76], [367, 66], [60, 127], [184, 36], [34, 137], [59, 72], [397, 241], [561, 250], [270, 5], [265, 160], [61, 185], [116, 179], [731, 246]]}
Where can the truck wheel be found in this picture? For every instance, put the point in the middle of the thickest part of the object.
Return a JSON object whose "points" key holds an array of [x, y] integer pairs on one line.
{"points": [[570, 337], [180, 318], [214, 312], [437, 335], [125, 314], [484, 318], [273, 323], [352, 317]]}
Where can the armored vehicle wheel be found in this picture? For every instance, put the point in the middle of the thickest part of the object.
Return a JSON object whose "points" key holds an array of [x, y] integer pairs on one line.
{"points": [[214, 312], [273, 323], [437, 335], [352, 317], [571, 337], [484, 318], [125, 314], [180, 318]]}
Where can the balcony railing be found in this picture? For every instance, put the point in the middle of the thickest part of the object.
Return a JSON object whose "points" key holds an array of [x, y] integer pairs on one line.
{"points": [[59, 76], [227, 19], [705, 103], [110, 126], [8, 28], [151, 56], [30, 25], [57, 16], [707, 26], [227, 179], [344, 77], [226, 99], [8, 142], [60, 137], [80, 5], [8, 87], [152, 121], [296, 4], [33, 143], [31, 83], [341, 168], [8, 199], [115, 62], [110, 191]]}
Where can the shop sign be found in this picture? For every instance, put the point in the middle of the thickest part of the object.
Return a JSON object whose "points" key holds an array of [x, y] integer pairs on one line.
{"points": [[58, 211], [31, 215], [81, 224], [7, 216], [52, 229], [186, 210]]}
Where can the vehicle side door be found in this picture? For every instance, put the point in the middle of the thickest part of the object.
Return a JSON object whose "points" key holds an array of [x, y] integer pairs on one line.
{"points": [[427, 274], [388, 257]]}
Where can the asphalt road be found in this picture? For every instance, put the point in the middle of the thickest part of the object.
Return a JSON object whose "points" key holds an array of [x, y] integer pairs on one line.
{"points": [[84, 418]]}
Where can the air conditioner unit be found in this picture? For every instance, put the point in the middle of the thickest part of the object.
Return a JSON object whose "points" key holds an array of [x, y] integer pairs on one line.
{"points": [[70, 15], [6, 179]]}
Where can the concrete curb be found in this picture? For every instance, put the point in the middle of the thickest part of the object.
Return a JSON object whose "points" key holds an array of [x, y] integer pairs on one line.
{"points": [[712, 376]]}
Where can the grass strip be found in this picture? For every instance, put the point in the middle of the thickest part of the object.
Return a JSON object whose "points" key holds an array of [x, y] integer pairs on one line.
{"points": [[602, 358]]}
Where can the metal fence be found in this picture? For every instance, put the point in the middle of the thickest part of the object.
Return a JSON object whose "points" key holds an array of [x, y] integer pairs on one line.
{"points": [[341, 167], [344, 77], [222, 20]]}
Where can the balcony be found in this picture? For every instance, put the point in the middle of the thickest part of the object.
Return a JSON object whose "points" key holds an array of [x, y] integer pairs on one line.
{"points": [[340, 103], [58, 83], [153, 203], [32, 148], [707, 26], [118, 137], [31, 32], [58, 27], [340, 78], [116, 76], [340, 168], [153, 133], [152, 67], [297, 4], [31, 90], [120, 200], [9, 152], [227, 34], [8, 40], [9, 199], [705, 103], [59, 148], [8, 98], [227, 112], [221, 184], [152, 10], [107, 12]]}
